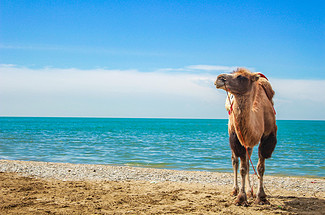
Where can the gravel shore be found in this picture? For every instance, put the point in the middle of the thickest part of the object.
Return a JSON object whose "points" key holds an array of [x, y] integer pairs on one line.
{"points": [[62, 188], [87, 172]]}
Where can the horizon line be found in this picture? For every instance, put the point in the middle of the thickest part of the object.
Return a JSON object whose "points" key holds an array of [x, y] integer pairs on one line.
{"points": [[123, 117]]}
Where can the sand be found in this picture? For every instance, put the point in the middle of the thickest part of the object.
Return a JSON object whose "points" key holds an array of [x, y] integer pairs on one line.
{"points": [[55, 188]]}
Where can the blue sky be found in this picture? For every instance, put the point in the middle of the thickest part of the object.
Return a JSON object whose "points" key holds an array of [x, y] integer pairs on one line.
{"points": [[74, 58]]}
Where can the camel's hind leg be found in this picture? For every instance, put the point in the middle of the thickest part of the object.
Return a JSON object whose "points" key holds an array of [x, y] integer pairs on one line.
{"points": [[261, 196], [265, 151]]}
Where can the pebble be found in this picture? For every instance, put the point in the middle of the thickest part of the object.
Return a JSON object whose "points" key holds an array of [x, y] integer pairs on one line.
{"points": [[80, 172]]}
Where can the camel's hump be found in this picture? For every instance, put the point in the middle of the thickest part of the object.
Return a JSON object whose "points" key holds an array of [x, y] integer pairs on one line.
{"points": [[267, 88]]}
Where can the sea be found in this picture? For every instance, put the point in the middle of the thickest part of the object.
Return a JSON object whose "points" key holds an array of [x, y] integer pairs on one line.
{"points": [[179, 144]]}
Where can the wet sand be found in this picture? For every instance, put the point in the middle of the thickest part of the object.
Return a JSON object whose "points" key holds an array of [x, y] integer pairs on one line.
{"points": [[54, 188]]}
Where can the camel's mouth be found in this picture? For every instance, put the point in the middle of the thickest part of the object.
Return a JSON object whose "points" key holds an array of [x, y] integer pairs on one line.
{"points": [[220, 82]]}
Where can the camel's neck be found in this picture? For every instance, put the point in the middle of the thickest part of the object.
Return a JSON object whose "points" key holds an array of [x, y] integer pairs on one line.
{"points": [[248, 113], [243, 106]]}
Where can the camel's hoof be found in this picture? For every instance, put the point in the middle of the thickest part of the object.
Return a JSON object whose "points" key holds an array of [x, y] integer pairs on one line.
{"points": [[234, 192], [244, 203], [250, 195], [241, 200], [262, 201]]}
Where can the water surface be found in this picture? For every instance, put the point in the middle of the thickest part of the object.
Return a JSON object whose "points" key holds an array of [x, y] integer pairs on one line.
{"points": [[182, 144]]}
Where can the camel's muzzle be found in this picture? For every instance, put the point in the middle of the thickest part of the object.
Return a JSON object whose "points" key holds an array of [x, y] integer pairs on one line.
{"points": [[220, 82]]}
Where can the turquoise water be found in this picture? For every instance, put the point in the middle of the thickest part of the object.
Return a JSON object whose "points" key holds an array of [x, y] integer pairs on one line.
{"points": [[182, 144]]}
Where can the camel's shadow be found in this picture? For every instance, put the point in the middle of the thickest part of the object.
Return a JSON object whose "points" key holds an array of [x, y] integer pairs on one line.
{"points": [[303, 205]]}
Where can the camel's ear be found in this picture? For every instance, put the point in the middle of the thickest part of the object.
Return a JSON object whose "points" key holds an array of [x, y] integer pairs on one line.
{"points": [[256, 76]]}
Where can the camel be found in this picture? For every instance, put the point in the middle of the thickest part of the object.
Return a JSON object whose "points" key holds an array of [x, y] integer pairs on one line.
{"points": [[251, 121]]}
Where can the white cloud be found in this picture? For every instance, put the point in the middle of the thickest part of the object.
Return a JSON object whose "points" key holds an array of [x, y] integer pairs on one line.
{"points": [[79, 49], [299, 99], [131, 93], [200, 68], [173, 70], [52, 91], [211, 68], [305, 90]]}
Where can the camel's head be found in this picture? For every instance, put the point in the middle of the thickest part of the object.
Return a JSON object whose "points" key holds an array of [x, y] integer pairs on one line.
{"points": [[238, 82]]}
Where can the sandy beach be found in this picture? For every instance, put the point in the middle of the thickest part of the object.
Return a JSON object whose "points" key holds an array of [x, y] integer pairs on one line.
{"points": [[57, 188]]}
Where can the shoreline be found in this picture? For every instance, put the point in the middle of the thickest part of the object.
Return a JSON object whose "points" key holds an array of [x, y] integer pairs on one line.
{"points": [[102, 172], [167, 169], [29, 187]]}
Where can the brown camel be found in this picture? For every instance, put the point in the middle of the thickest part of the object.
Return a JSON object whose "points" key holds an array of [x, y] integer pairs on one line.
{"points": [[251, 120]]}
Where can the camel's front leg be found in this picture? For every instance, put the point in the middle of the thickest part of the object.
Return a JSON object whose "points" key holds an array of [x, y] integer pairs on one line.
{"points": [[249, 189], [235, 163], [242, 198]]}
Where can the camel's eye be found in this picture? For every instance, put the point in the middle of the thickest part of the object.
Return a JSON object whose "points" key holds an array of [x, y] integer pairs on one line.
{"points": [[241, 78]]}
